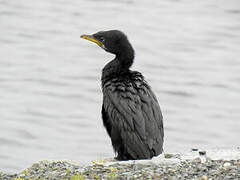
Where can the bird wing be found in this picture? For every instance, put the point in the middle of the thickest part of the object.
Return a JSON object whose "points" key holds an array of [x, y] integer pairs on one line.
{"points": [[134, 111], [154, 119]]}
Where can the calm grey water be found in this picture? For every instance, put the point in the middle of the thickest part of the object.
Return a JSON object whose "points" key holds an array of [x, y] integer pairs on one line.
{"points": [[50, 95]]}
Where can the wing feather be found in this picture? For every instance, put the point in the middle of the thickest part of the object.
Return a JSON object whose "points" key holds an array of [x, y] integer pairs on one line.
{"points": [[133, 109]]}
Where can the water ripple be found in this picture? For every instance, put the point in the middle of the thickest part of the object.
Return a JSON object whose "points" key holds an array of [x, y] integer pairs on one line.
{"points": [[50, 78], [10, 142]]}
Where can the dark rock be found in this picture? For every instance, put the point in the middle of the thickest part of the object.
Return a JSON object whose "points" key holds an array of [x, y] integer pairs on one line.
{"points": [[194, 149], [202, 153]]}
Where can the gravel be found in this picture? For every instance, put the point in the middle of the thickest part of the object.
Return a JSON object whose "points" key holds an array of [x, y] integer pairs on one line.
{"points": [[168, 166]]}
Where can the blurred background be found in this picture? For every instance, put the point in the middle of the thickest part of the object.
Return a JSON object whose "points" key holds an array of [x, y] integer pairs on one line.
{"points": [[50, 90]]}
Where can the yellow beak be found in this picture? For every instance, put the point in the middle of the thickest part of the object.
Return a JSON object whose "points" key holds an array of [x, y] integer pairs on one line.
{"points": [[91, 38]]}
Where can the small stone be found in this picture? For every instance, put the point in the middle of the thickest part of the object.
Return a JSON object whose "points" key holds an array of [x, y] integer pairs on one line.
{"points": [[226, 164], [208, 159], [197, 160], [168, 156], [194, 149], [203, 178], [201, 153]]}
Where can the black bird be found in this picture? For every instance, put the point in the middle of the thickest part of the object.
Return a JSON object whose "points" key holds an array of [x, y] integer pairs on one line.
{"points": [[130, 110]]}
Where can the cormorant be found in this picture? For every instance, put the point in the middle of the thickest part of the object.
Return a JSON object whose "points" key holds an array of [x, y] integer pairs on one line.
{"points": [[130, 110]]}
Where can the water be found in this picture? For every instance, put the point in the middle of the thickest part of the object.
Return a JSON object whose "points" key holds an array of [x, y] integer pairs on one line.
{"points": [[50, 95]]}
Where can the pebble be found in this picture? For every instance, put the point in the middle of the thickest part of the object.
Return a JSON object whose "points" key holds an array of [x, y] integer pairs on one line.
{"points": [[197, 160], [168, 155], [185, 169], [202, 153], [227, 164], [203, 178], [194, 149]]}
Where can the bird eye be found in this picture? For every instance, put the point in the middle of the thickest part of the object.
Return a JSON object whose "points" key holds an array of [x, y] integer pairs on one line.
{"points": [[101, 39]]}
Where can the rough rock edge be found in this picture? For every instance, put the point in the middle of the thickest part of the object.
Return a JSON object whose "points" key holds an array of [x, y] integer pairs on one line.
{"points": [[211, 164]]}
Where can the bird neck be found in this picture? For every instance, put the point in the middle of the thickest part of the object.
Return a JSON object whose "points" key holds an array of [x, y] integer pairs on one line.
{"points": [[125, 57], [120, 64]]}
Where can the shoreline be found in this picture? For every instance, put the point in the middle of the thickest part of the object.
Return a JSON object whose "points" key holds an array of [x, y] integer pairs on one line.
{"points": [[195, 164]]}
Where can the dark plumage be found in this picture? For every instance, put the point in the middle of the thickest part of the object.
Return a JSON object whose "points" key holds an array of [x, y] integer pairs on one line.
{"points": [[130, 110]]}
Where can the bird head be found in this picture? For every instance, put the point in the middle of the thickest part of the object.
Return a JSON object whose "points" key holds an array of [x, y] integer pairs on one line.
{"points": [[113, 41]]}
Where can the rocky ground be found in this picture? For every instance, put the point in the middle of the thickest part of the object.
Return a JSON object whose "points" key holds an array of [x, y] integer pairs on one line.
{"points": [[193, 165]]}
